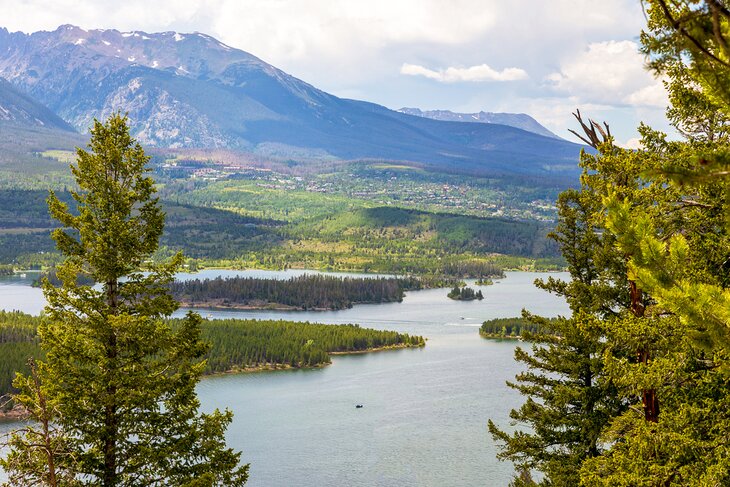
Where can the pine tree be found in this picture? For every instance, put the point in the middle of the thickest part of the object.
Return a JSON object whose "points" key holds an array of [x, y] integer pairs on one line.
{"points": [[39, 455], [572, 396], [683, 262], [569, 400], [120, 380]]}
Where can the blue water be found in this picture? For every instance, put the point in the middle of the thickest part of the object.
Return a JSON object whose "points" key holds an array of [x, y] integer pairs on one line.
{"points": [[425, 410]]}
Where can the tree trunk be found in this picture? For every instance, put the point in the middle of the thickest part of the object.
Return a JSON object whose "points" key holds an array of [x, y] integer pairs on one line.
{"points": [[111, 425], [45, 419], [648, 397]]}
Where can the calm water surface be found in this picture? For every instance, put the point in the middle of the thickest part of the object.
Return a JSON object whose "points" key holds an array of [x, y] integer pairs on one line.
{"points": [[425, 411]]}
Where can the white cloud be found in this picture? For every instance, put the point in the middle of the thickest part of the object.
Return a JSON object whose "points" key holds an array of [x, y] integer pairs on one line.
{"points": [[482, 72], [653, 95], [357, 48], [611, 72], [632, 143]]}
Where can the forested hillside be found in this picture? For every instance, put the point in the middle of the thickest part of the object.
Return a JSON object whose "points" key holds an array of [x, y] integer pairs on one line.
{"points": [[25, 227], [393, 227], [18, 343], [383, 239]]}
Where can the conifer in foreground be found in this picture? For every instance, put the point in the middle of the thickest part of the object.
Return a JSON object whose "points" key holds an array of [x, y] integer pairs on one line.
{"points": [[119, 380]]}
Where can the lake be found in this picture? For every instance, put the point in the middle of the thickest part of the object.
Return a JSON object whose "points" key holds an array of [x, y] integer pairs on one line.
{"points": [[425, 410]]}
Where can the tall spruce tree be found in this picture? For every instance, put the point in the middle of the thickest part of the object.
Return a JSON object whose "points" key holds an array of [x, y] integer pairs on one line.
{"points": [[570, 398], [683, 261], [119, 380], [586, 373]]}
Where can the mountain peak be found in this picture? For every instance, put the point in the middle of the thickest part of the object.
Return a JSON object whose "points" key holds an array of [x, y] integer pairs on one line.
{"points": [[189, 90], [518, 120]]}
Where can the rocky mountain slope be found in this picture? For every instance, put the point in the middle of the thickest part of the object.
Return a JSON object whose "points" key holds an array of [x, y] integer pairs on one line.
{"points": [[20, 109], [190, 90]]}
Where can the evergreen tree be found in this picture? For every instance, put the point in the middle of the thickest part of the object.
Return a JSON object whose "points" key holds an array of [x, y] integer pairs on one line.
{"points": [[39, 455], [569, 398], [683, 261], [118, 378], [572, 397]]}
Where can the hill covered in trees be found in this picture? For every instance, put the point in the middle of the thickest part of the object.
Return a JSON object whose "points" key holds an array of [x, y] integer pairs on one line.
{"points": [[383, 239]]}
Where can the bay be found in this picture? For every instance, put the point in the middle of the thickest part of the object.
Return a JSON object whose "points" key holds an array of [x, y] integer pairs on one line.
{"points": [[424, 415]]}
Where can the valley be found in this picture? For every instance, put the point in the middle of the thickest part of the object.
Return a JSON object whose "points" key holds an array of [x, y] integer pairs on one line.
{"points": [[227, 258]]}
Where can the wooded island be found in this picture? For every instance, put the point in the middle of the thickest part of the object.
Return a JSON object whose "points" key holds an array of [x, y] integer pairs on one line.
{"points": [[306, 292]]}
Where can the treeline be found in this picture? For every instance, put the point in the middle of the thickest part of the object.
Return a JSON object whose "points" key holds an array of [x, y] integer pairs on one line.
{"points": [[309, 291], [237, 344], [6, 270], [50, 274], [234, 344], [472, 268], [18, 342]]}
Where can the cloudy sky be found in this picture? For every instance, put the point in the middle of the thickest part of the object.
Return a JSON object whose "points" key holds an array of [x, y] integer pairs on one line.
{"points": [[541, 57]]}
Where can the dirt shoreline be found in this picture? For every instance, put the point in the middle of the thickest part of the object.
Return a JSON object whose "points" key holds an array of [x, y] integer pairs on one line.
{"points": [[380, 349], [17, 413], [492, 336]]}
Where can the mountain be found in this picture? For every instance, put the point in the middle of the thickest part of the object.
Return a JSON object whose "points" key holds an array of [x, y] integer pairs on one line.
{"points": [[190, 90], [20, 109], [28, 128], [518, 120]]}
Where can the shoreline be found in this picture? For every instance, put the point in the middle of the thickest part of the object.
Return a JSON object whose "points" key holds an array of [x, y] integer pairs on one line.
{"points": [[273, 367], [381, 349], [19, 413], [250, 307], [215, 306], [492, 336]]}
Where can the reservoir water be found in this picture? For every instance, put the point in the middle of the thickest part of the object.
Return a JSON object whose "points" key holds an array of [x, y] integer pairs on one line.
{"points": [[425, 410]]}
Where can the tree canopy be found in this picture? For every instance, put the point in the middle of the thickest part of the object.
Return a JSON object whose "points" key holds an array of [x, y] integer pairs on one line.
{"points": [[647, 243], [117, 380]]}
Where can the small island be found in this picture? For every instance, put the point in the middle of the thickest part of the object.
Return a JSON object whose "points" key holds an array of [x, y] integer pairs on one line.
{"points": [[465, 294], [514, 328], [484, 281]]}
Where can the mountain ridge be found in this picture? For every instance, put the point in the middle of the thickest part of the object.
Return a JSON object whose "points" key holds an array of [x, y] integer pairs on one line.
{"points": [[192, 91], [518, 120]]}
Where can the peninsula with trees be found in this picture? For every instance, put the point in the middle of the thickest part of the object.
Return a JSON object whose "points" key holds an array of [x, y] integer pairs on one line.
{"points": [[236, 345]]}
